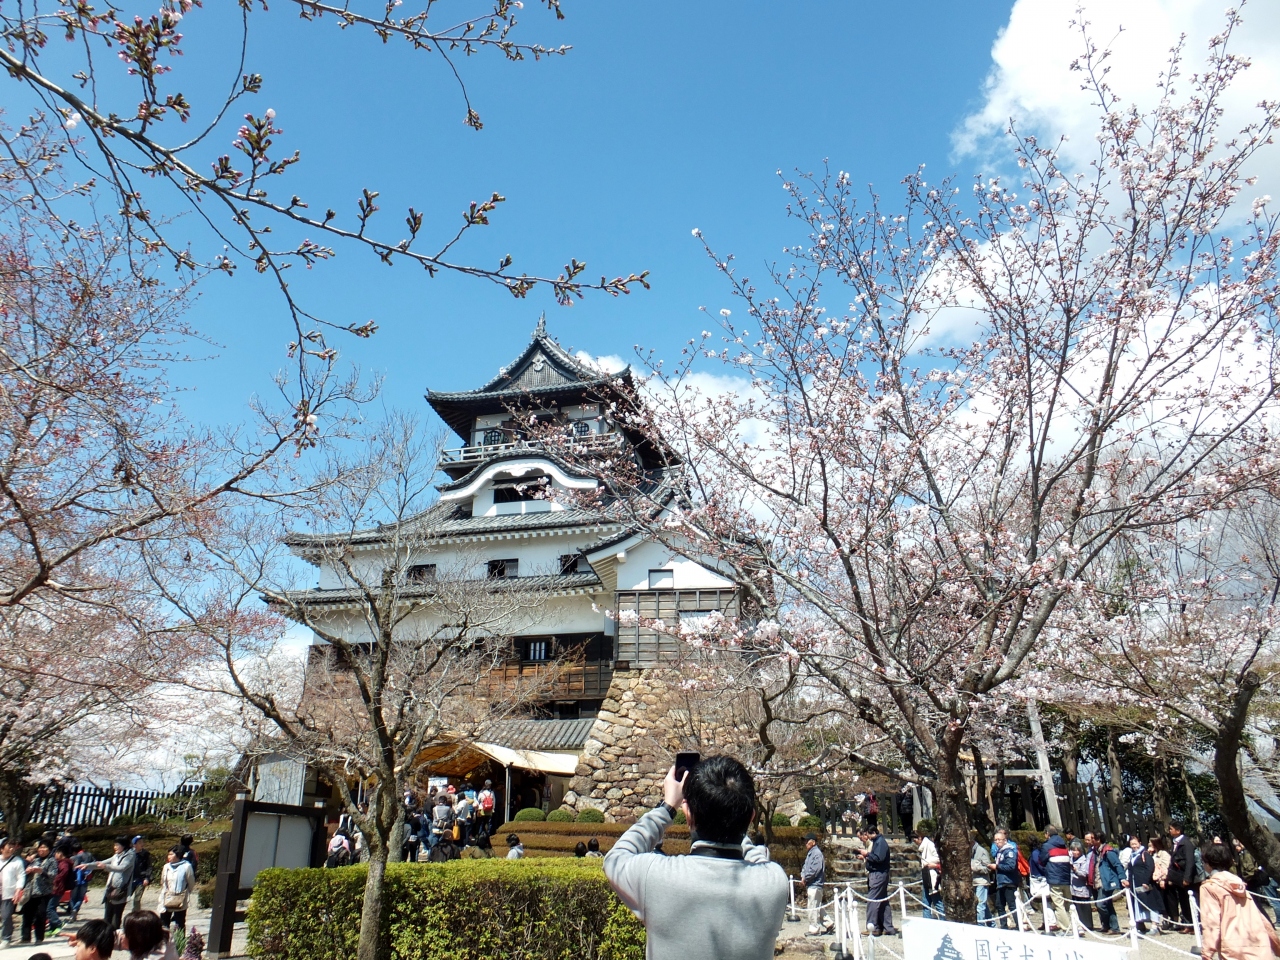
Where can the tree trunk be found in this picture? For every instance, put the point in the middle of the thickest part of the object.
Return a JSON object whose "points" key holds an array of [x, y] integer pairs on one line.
{"points": [[395, 843], [1070, 750], [385, 812], [984, 816], [16, 797], [999, 808], [371, 909], [951, 808], [1114, 775], [1258, 840], [1192, 803], [1160, 788]]}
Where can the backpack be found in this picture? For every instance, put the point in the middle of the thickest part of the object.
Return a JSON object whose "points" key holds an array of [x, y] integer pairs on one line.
{"points": [[1200, 874], [1024, 868], [486, 801]]}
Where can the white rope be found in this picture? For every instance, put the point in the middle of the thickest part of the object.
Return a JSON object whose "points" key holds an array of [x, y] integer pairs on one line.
{"points": [[1161, 943]]}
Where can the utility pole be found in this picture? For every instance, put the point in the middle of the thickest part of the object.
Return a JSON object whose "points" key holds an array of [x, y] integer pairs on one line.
{"points": [[1042, 763]]}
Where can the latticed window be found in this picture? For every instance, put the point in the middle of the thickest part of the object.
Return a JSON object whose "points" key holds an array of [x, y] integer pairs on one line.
{"points": [[493, 436], [582, 429]]}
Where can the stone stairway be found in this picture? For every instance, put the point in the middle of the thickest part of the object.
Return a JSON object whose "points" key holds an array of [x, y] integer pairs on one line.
{"points": [[846, 866]]}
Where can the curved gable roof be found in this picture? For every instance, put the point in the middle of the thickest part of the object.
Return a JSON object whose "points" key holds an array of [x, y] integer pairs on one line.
{"points": [[544, 370]]}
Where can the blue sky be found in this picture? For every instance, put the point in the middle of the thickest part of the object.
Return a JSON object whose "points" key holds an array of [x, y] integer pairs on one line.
{"points": [[663, 117]]}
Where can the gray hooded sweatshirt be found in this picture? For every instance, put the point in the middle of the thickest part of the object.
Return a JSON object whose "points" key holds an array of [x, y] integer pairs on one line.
{"points": [[703, 907]]}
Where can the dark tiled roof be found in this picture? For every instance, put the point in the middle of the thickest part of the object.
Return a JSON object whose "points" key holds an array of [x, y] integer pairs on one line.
{"points": [[552, 582], [544, 369], [540, 734], [451, 520]]}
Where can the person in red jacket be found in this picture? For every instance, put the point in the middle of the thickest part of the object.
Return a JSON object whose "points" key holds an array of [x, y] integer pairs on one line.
{"points": [[62, 882]]}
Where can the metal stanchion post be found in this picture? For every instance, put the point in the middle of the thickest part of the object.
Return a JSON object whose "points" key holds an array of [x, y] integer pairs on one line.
{"points": [[1195, 920], [1132, 900], [791, 911], [902, 899], [837, 905], [857, 930]]}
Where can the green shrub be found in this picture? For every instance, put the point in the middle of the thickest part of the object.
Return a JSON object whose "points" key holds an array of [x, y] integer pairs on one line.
{"points": [[463, 910], [560, 816], [590, 815], [810, 822], [529, 815], [680, 819], [1026, 827], [781, 820], [927, 826], [204, 894]]}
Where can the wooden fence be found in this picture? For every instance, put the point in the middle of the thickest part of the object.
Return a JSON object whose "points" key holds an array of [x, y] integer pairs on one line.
{"points": [[57, 808]]}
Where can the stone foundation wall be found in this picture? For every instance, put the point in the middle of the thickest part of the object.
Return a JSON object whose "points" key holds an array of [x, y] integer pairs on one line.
{"points": [[629, 749], [642, 724]]}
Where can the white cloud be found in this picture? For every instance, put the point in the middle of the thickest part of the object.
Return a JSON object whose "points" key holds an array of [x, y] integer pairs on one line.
{"points": [[609, 363], [1031, 81]]}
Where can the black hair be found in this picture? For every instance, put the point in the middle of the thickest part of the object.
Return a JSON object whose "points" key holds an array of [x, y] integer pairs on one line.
{"points": [[593, 844], [124, 842], [186, 839], [1178, 825], [512, 840], [721, 798], [580, 850], [98, 936], [40, 956], [483, 842], [177, 850], [1100, 836], [143, 932], [1218, 856]]}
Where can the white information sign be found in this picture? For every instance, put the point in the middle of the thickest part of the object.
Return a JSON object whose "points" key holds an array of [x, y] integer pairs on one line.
{"points": [[940, 940]]}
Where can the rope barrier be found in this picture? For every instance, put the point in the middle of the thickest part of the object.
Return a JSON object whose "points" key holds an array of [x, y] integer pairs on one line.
{"points": [[1173, 949]]}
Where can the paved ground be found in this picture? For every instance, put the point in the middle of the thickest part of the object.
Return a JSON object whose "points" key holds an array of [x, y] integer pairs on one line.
{"points": [[58, 948], [792, 936], [797, 945]]}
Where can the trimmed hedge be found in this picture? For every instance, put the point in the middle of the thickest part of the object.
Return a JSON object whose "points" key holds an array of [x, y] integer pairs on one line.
{"points": [[560, 816], [529, 815], [462, 910], [590, 815], [810, 822], [781, 820]]}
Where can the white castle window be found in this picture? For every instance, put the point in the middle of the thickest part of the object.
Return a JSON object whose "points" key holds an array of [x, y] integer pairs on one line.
{"points": [[662, 579]]}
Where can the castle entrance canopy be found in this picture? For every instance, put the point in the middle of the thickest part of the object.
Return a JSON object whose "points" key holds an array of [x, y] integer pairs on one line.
{"points": [[542, 746]]}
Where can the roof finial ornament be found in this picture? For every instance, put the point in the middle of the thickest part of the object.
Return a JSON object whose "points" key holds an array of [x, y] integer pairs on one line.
{"points": [[541, 330]]}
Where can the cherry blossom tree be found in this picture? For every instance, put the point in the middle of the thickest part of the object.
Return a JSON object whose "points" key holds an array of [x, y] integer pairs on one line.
{"points": [[403, 659], [110, 96], [97, 461], [946, 414], [1190, 628]]}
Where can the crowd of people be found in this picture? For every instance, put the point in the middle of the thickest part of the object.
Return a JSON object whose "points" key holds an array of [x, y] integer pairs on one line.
{"points": [[47, 885], [1163, 880]]}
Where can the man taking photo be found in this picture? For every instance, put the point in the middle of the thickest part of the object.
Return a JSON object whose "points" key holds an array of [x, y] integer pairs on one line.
{"points": [[725, 900]]}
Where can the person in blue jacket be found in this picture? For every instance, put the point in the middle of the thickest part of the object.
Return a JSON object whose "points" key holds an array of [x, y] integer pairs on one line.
{"points": [[1008, 879], [1106, 873], [1056, 860]]}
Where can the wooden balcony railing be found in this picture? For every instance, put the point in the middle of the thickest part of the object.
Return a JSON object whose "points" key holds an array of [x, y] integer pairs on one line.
{"points": [[554, 681]]}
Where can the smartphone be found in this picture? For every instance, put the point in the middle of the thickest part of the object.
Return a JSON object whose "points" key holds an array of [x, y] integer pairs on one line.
{"points": [[686, 762]]}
